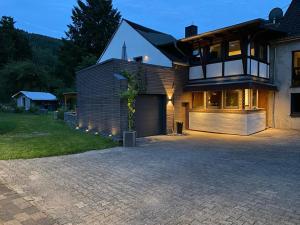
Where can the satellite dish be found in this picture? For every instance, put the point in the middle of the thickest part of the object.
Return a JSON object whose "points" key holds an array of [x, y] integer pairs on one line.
{"points": [[275, 15]]}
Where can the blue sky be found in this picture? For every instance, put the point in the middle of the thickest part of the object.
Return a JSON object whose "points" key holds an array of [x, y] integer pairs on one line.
{"points": [[50, 17]]}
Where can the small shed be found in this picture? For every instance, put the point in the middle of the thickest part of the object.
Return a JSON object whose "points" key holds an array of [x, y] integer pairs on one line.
{"points": [[42, 100]]}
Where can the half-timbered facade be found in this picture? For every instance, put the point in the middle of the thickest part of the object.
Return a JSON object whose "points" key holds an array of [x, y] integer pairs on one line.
{"points": [[240, 79]]}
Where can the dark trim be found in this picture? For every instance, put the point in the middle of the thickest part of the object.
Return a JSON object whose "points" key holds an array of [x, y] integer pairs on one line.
{"points": [[293, 71], [295, 115], [230, 85]]}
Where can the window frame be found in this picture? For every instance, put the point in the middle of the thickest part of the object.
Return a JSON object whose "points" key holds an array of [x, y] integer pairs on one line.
{"points": [[193, 99], [293, 69], [228, 46], [215, 60], [225, 99], [208, 106], [294, 114]]}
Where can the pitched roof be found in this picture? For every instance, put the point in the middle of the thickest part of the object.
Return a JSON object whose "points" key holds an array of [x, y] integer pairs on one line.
{"points": [[37, 96], [166, 43], [291, 20]]}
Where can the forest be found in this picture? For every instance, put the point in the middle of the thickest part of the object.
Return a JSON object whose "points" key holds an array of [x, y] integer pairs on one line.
{"points": [[34, 62]]}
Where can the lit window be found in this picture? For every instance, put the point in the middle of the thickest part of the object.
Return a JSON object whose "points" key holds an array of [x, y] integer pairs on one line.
{"points": [[295, 104], [215, 52], [254, 98], [247, 98], [234, 48], [296, 69], [232, 99], [214, 99], [198, 100], [252, 49]]}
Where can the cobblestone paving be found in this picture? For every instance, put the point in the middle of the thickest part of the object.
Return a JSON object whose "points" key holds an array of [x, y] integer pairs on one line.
{"points": [[200, 178], [15, 210]]}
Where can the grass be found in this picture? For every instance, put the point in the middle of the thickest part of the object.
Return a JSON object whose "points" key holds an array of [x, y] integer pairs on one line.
{"points": [[25, 136]]}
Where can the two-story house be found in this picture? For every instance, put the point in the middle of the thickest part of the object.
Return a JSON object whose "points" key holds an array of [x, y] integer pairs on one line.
{"points": [[240, 79]]}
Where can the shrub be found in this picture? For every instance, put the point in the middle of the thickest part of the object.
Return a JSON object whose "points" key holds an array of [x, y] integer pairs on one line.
{"points": [[60, 114], [34, 109], [6, 108], [19, 110]]}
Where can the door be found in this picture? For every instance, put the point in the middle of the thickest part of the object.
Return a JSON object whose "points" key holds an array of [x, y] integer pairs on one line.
{"points": [[150, 115]]}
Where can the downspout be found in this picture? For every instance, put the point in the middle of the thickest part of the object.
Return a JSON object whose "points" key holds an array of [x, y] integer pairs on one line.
{"points": [[274, 93]]}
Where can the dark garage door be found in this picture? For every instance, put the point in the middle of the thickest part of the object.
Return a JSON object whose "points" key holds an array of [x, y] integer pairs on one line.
{"points": [[150, 115]]}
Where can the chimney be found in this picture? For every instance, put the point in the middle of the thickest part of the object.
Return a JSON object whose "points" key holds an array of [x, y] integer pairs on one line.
{"points": [[191, 31]]}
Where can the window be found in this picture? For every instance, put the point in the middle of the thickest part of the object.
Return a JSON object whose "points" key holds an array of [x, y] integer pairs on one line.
{"points": [[252, 49], [262, 52], [234, 48], [214, 99], [198, 100], [215, 52], [232, 99], [254, 99], [295, 104], [296, 69]]}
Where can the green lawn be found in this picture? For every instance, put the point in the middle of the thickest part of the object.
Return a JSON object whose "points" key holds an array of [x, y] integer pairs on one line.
{"points": [[24, 136]]}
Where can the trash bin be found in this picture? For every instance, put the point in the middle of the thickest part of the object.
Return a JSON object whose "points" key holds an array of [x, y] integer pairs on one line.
{"points": [[179, 126]]}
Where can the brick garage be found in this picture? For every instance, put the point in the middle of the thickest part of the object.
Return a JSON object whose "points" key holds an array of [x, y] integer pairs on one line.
{"points": [[99, 87]]}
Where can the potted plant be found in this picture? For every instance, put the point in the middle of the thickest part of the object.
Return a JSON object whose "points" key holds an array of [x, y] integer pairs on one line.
{"points": [[129, 137], [179, 127]]}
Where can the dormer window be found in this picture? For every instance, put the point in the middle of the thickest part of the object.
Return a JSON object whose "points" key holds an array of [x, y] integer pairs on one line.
{"points": [[234, 48], [215, 52]]}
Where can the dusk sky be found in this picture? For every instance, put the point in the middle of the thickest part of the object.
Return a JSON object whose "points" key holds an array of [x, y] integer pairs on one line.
{"points": [[50, 17]]}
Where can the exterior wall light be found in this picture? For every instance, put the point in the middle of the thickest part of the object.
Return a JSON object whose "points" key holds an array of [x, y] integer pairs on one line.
{"points": [[146, 58]]}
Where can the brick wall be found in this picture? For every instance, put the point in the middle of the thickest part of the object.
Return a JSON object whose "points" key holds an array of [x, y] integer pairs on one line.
{"points": [[100, 107]]}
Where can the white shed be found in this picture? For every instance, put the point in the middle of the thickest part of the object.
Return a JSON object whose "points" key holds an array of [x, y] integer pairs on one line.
{"points": [[44, 100]]}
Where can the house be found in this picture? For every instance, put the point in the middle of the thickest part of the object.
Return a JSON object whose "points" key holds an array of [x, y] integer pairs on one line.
{"points": [[239, 80], [42, 100]]}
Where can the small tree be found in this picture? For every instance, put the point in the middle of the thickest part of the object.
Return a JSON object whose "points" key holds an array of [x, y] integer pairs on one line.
{"points": [[130, 95]]}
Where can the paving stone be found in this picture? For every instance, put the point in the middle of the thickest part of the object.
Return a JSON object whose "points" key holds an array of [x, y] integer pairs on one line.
{"points": [[199, 178]]}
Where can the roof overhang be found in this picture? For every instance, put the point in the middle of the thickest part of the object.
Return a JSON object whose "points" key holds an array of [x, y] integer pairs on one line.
{"points": [[257, 24]]}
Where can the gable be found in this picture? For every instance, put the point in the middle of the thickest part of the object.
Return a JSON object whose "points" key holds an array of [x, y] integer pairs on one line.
{"points": [[291, 19], [136, 45]]}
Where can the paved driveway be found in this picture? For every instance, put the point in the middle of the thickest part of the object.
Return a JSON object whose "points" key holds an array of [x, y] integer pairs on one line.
{"points": [[195, 179]]}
